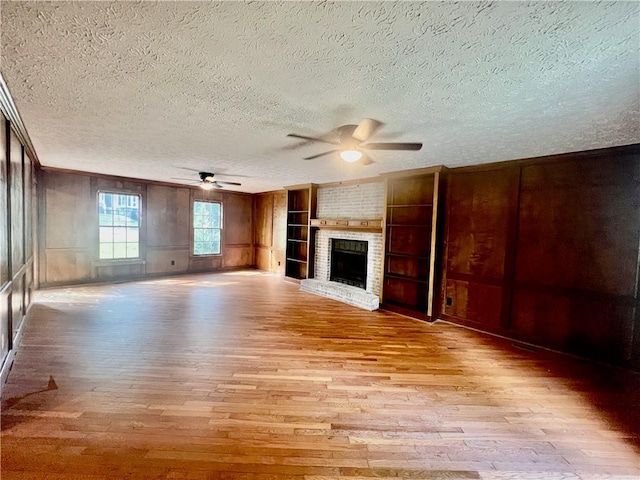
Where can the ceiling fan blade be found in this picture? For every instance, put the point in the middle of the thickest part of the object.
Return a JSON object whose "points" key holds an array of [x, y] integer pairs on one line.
{"points": [[313, 139], [220, 182], [393, 146], [320, 155], [366, 128], [366, 160], [186, 179]]}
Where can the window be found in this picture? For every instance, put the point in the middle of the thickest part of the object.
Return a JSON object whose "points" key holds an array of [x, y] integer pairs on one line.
{"points": [[119, 221], [207, 224]]}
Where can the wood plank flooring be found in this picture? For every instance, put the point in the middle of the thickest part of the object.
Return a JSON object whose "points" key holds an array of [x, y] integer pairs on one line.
{"points": [[243, 376]]}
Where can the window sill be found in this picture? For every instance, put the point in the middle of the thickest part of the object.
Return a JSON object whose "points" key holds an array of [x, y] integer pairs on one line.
{"points": [[125, 261]]}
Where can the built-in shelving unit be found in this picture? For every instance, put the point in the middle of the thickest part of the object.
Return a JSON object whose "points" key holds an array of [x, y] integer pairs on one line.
{"points": [[410, 243], [301, 208]]}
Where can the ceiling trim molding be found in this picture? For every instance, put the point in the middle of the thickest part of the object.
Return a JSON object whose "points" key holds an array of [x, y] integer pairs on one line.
{"points": [[10, 111]]}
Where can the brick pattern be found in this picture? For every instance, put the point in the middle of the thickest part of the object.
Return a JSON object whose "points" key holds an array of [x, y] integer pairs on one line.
{"points": [[374, 256], [344, 293], [365, 201]]}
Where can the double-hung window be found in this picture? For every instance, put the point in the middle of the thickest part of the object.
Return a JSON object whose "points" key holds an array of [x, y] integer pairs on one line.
{"points": [[119, 223], [207, 227]]}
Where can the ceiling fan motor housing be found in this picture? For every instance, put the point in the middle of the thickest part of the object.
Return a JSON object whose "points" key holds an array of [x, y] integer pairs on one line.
{"points": [[206, 176]]}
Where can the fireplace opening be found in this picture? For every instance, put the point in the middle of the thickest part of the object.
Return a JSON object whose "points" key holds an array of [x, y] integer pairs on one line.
{"points": [[349, 262]]}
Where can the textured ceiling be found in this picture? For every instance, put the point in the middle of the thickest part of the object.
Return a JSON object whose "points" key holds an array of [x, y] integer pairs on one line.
{"points": [[149, 90]]}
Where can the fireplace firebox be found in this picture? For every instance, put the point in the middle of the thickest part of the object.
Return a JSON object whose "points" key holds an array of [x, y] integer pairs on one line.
{"points": [[349, 262]]}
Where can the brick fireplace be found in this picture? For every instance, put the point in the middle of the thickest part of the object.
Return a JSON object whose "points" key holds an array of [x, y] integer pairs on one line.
{"points": [[362, 201]]}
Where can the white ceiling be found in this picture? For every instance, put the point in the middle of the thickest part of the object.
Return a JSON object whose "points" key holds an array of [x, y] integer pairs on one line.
{"points": [[148, 90]]}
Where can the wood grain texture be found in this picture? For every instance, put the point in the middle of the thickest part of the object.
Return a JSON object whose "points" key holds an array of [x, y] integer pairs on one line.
{"points": [[548, 253], [168, 214], [4, 219], [477, 222], [270, 231], [263, 219], [577, 221], [243, 376], [237, 217], [68, 238], [16, 193]]}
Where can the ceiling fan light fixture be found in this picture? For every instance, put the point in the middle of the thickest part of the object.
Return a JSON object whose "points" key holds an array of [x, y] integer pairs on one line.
{"points": [[351, 155], [207, 186]]}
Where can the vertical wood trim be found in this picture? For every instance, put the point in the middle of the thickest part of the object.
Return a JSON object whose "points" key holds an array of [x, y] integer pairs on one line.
{"points": [[445, 246], [438, 247], [311, 231], [511, 252], [434, 240], [635, 340], [24, 212], [8, 253], [384, 238]]}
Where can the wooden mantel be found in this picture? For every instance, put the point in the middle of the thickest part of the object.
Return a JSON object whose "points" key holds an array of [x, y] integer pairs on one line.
{"points": [[355, 224]]}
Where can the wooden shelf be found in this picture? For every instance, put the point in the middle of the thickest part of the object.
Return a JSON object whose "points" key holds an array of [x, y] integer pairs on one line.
{"points": [[406, 278], [296, 260], [406, 255], [427, 205], [409, 225], [409, 267], [301, 205]]}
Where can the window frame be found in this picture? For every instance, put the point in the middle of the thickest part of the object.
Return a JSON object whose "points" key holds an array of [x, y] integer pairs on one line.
{"points": [[139, 226], [193, 229]]}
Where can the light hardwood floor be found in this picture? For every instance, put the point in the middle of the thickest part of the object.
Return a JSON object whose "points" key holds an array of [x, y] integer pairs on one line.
{"points": [[243, 376]]}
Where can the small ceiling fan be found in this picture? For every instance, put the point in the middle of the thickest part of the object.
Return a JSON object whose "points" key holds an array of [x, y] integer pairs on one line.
{"points": [[351, 142], [208, 182]]}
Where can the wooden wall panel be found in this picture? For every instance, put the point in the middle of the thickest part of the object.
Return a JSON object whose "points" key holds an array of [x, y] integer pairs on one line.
{"points": [[263, 258], [61, 266], [553, 261], [270, 226], [17, 304], [159, 260], [475, 302], [578, 324], [115, 271], [4, 218], [28, 208], [5, 335], [237, 256], [577, 221], [203, 264], [68, 211], [263, 220], [279, 236], [168, 216], [478, 222], [70, 235], [238, 210], [16, 188]]}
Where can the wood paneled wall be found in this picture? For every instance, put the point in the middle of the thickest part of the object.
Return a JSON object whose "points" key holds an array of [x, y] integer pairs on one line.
{"points": [[69, 234], [16, 240], [546, 251], [270, 237]]}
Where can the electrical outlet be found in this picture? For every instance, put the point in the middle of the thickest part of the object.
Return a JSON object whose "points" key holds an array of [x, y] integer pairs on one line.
{"points": [[449, 301], [173, 262]]}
